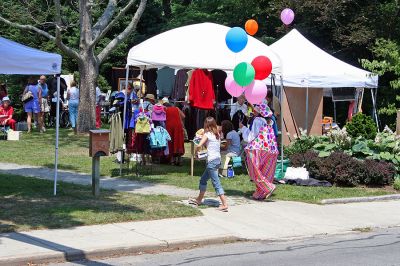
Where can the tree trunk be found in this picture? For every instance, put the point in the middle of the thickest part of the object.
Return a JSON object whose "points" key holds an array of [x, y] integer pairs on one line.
{"points": [[89, 71], [167, 8]]}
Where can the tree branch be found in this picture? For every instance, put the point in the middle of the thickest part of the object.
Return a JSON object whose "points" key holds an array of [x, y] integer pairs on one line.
{"points": [[103, 21], [123, 35], [29, 28], [69, 51], [60, 44], [115, 20]]}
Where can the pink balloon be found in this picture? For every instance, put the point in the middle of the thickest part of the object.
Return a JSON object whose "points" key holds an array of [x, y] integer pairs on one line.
{"points": [[232, 87], [256, 92], [287, 16]]}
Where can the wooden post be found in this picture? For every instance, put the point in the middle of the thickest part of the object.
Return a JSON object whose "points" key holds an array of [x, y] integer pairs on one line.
{"points": [[96, 176], [398, 123]]}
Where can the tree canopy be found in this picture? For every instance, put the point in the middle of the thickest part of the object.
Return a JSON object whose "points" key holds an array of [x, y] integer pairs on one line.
{"points": [[350, 30]]}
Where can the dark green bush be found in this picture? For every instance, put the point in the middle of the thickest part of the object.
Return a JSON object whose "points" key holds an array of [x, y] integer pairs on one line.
{"points": [[341, 169], [361, 126], [378, 173]]}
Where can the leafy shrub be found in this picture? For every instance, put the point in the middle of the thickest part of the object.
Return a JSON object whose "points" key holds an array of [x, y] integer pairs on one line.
{"points": [[349, 173], [302, 143], [361, 126], [396, 184], [338, 168], [378, 173]]}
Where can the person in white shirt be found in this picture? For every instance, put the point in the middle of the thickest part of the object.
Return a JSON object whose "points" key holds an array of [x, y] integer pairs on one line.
{"points": [[240, 105], [212, 140], [73, 103]]}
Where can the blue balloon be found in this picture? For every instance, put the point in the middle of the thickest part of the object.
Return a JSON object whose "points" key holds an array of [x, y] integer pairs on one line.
{"points": [[236, 39]]}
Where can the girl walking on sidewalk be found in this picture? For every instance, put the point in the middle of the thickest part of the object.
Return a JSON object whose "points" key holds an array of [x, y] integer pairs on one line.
{"points": [[212, 140]]}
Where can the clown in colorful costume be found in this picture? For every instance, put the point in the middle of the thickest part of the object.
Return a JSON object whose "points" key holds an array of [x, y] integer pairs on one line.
{"points": [[261, 151]]}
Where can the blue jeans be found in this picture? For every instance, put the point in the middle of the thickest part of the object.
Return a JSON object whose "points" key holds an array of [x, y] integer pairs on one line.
{"points": [[212, 172], [73, 112]]}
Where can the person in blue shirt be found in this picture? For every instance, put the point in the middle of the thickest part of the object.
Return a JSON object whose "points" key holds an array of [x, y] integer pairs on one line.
{"points": [[44, 104]]}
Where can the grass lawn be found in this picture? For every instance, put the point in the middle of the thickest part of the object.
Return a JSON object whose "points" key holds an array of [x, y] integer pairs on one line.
{"points": [[38, 149], [27, 203]]}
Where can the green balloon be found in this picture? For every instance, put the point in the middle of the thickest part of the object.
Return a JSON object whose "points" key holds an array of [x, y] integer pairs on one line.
{"points": [[244, 74]]}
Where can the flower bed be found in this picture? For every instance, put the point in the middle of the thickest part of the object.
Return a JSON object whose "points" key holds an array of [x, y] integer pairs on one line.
{"points": [[347, 160]]}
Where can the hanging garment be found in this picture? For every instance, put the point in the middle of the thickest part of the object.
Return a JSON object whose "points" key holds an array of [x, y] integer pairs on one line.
{"points": [[219, 78], [201, 91], [142, 145], [159, 138], [165, 82], [130, 141], [142, 125], [187, 110], [174, 127], [116, 135], [179, 90], [158, 113], [150, 77]]}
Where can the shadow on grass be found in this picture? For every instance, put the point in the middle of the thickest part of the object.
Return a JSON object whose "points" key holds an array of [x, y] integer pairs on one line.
{"points": [[28, 203]]}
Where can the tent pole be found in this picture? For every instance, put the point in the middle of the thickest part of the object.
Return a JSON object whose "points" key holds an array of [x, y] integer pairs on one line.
{"points": [[281, 126], [374, 108], [306, 125], [334, 111], [123, 121], [57, 135]]}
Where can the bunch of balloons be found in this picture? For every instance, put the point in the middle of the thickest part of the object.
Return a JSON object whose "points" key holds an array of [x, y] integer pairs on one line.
{"points": [[247, 78]]}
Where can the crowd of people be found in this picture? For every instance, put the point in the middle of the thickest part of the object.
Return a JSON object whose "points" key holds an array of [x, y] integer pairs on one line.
{"points": [[251, 131], [39, 99], [255, 139]]}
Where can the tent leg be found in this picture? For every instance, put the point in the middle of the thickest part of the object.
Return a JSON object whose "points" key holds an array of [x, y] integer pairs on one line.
{"points": [[281, 126], [334, 112], [123, 121], [57, 135], [374, 113], [306, 125]]}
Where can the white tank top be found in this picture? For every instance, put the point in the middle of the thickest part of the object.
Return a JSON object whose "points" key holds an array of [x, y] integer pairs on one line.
{"points": [[213, 147]]}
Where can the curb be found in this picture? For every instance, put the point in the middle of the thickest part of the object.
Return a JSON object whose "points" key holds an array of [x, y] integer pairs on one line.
{"points": [[361, 199], [74, 255]]}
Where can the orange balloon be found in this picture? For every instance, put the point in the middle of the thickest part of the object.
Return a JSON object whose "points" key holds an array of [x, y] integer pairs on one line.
{"points": [[251, 27]]}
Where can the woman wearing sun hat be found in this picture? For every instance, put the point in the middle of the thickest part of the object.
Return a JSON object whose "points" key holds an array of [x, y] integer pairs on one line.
{"points": [[261, 151]]}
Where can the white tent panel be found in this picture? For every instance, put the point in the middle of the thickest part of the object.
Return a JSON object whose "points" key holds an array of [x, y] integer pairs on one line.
{"points": [[197, 46], [306, 65], [16, 58]]}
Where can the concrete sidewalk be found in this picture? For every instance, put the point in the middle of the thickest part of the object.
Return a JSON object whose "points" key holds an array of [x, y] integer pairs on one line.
{"points": [[258, 221], [118, 184]]}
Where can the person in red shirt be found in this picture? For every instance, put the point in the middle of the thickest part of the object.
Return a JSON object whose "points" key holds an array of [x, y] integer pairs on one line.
{"points": [[6, 114]]}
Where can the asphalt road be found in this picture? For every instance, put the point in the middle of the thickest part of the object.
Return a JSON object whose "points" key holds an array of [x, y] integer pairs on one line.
{"points": [[380, 248]]}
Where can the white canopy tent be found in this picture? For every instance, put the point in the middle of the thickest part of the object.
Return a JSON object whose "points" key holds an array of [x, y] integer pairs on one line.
{"points": [[20, 59], [196, 46], [307, 66]]}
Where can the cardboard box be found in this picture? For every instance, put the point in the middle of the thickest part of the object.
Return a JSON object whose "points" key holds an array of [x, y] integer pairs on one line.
{"points": [[13, 135]]}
